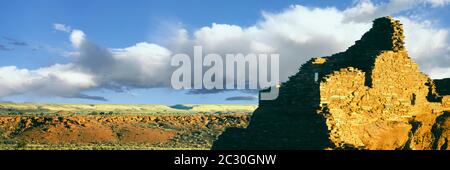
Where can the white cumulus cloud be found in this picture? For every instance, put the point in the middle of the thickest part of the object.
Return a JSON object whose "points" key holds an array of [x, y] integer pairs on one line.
{"points": [[61, 27]]}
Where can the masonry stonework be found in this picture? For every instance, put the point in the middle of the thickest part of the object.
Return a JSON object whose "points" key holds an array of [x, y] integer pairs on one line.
{"points": [[372, 96]]}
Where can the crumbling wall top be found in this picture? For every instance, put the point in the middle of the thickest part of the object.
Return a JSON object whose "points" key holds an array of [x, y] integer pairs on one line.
{"points": [[386, 34]]}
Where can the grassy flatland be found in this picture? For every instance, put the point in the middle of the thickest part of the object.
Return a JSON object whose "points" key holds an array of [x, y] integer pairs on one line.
{"points": [[34, 108]]}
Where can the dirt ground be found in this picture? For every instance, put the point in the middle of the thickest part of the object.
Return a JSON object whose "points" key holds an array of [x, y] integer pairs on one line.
{"points": [[67, 131]]}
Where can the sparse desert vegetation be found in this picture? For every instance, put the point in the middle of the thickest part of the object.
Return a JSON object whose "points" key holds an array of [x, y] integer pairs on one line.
{"points": [[115, 126]]}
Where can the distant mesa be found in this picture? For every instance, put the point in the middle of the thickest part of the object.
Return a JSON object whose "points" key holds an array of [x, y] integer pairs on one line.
{"points": [[181, 107], [372, 96]]}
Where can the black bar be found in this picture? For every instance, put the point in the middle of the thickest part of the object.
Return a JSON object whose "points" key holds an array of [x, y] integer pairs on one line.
{"points": [[284, 159]]}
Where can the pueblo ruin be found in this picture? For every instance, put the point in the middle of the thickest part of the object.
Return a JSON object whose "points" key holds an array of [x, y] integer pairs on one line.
{"points": [[372, 96]]}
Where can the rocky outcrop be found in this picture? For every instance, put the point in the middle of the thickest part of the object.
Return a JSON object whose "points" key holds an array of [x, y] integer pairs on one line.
{"points": [[372, 96]]}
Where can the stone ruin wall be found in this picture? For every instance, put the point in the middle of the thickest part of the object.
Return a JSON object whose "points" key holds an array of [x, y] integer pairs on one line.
{"points": [[399, 108], [382, 115], [446, 102], [374, 106], [372, 96]]}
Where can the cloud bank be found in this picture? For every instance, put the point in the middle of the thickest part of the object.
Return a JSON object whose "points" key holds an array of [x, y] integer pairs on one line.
{"points": [[242, 98], [298, 33], [367, 10], [4, 48]]}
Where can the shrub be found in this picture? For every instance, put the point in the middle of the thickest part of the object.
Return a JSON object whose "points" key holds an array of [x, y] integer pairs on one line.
{"points": [[21, 144]]}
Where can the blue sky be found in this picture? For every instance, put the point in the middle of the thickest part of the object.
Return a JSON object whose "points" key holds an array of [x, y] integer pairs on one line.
{"points": [[114, 23], [29, 41]]}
